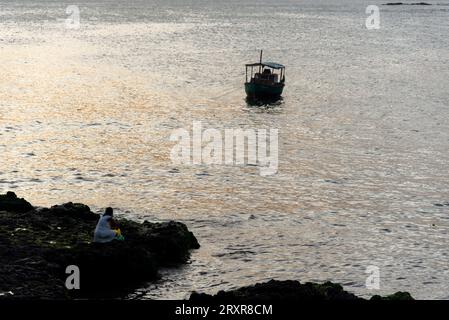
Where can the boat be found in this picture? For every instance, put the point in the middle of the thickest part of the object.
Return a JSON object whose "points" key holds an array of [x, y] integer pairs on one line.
{"points": [[264, 79]]}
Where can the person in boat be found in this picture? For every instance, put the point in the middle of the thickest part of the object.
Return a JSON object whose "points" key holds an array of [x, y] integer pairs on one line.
{"points": [[267, 75], [107, 228]]}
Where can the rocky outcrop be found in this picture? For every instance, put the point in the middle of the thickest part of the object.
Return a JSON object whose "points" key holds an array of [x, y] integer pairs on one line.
{"points": [[37, 245], [287, 291], [400, 295], [10, 202]]}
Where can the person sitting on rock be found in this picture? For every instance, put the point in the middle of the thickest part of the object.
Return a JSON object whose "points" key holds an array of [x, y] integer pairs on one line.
{"points": [[107, 229]]}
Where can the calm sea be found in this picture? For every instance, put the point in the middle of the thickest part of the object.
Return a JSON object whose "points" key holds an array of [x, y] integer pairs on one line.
{"points": [[86, 115]]}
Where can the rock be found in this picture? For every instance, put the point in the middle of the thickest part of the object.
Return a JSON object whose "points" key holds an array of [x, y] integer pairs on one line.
{"points": [[37, 246], [107, 270], [274, 290], [25, 282], [279, 291], [74, 210], [170, 240], [10, 202], [400, 295], [407, 4]]}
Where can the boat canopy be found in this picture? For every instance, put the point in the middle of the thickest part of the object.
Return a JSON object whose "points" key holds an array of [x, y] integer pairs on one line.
{"points": [[272, 65]]}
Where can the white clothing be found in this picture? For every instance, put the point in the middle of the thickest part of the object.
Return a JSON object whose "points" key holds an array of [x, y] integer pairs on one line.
{"points": [[103, 232]]}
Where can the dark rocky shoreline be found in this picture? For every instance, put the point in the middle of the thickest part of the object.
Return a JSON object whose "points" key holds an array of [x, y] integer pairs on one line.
{"points": [[407, 4], [37, 245], [289, 290]]}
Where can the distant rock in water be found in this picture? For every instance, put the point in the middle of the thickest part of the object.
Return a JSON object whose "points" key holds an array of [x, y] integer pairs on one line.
{"points": [[289, 290], [37, 245], [407, 4]]}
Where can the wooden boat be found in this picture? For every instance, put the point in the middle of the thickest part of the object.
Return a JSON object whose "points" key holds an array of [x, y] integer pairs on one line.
{"points": [[264, 79]]}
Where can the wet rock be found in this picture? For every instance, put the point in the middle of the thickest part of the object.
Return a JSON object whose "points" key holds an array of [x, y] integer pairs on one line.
{"points": [[107, 270], [400, 295], [279, 291], [74, 210], [37, 246], [170, 240], [407, 4], [274, 290], [10, 202]]}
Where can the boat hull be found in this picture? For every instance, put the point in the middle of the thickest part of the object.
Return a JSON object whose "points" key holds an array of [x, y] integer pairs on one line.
{"points": [[257, 90]]}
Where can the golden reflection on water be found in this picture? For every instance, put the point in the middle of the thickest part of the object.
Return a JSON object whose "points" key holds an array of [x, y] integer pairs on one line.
{"points": [[86, 116]]}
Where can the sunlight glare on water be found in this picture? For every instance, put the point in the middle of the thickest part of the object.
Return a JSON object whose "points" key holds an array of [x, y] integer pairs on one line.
{"points": [[86, 115]]}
